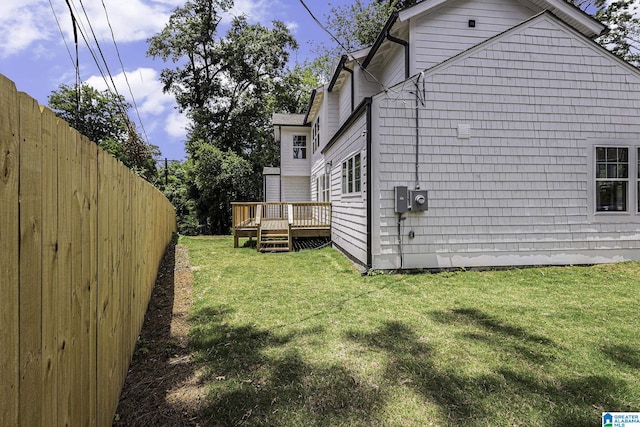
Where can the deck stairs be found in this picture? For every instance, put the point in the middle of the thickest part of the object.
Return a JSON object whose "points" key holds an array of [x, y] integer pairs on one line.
{"points": [[274, 240], [274, 234]]}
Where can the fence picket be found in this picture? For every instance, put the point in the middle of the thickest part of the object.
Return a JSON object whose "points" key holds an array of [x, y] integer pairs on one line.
{"points": [[81, 241], [30, 189], [9, 261], [49, 266]]}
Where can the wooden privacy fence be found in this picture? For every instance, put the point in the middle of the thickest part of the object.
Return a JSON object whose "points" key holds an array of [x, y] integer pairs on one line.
{"points": [[81, 239]]}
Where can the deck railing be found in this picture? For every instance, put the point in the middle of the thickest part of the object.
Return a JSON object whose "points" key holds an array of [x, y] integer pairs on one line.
{"points": [[303, 214]]}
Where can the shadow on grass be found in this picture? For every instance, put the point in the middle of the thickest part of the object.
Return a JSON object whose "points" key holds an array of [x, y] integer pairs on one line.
{"points": [[624, 354], [513, 394], [254, 381]]}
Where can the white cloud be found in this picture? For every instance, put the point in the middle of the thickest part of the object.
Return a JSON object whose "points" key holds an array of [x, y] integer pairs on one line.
{"points": [[146, 88], [25, 22], [255, 10], [157, 109], [176, 125], [21, 25]]}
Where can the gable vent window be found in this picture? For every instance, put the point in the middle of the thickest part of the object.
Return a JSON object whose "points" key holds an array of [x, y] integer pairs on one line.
{"points": [[351, 175], [299, 147], [612, 179]]}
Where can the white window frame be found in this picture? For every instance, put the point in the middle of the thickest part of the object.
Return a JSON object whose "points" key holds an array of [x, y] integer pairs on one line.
{"points": [[326, 187], [613, 169], [633, 186], [298, 148], [351, 175]]}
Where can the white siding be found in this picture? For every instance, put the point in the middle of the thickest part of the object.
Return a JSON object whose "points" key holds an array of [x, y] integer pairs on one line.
{"points": [[296, 188], [366, 85], [345, 100], [349, 212], [332, 123], [271, 188], [517, 191], [394, 67], [445, 33], [288, 165]]}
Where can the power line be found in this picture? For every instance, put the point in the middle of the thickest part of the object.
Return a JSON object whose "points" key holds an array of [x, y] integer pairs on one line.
{"points": [[74, 22], [83, 31], [126, 78], [326, 30], [61, 32]]}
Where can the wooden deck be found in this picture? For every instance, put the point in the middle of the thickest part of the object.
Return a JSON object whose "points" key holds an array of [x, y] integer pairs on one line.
{"points": [[274, 224]]}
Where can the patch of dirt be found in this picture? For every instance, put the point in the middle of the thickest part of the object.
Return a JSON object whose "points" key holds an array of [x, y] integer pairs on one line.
{"points": [[162, 387]]}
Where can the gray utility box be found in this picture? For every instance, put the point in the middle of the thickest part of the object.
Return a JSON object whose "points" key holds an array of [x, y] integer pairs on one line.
{"points": [[402, 199], [419, 200], [411, 200]]}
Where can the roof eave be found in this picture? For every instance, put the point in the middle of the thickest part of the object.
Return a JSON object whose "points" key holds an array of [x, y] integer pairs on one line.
{"points": [[381, 38], [336, 74]]}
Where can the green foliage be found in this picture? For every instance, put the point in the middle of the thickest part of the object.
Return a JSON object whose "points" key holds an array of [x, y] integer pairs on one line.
{"points": [[223, 85], [356, 26], [623, 37], [219, 178], [229, 87], [623, 26], [174, 181], [102, 117], [293, 91]]}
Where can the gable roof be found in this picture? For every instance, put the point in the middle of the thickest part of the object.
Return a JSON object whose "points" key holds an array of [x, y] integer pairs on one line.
{"points": [[567, 12], [545, 14], [572, 15], [288, 119]]}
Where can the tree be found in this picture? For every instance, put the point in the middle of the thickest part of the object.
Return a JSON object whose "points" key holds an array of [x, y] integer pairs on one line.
{"points": [[228, 87], [623, 37], [219, 177], [355, 26], [222, 85], [102, 117], [173, 180]]}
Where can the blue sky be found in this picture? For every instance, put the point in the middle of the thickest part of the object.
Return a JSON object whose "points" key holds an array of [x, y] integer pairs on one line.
{"points": [[34, 55]]}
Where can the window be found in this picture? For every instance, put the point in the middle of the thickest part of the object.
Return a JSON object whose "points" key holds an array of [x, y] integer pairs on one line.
{"points": [[299, 147], [351, 175], [612, 179], [638, 185], [323, 189], [315, 135], [326, 187]]}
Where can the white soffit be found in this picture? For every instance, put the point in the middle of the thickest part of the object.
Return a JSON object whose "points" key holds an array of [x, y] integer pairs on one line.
{"points": [[570, 14]]}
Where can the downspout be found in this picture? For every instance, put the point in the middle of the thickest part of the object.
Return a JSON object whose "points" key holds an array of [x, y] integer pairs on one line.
{"points": [[418, 102], [280, 170], [406, 51], [369, 188]]}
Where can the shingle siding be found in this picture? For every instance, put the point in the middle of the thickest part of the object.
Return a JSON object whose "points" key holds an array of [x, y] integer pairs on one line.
{"points": [[349, 212], [517, 191], [443, 34]]}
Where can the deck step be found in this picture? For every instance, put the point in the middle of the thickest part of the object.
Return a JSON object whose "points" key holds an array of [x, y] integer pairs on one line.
{"points": [[274, 240]]}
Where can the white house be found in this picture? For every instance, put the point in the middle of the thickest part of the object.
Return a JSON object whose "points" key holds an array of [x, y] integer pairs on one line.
{"points": [[517, 133]]}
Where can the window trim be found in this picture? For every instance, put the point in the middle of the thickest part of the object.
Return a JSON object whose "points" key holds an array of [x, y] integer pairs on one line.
{"points": [[616, 164], [633, 197], [350, 180], [303, 148], [315, 134]]}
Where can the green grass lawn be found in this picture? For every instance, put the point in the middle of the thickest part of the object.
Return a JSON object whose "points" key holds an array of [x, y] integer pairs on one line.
{"points": [[302, 339]]}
